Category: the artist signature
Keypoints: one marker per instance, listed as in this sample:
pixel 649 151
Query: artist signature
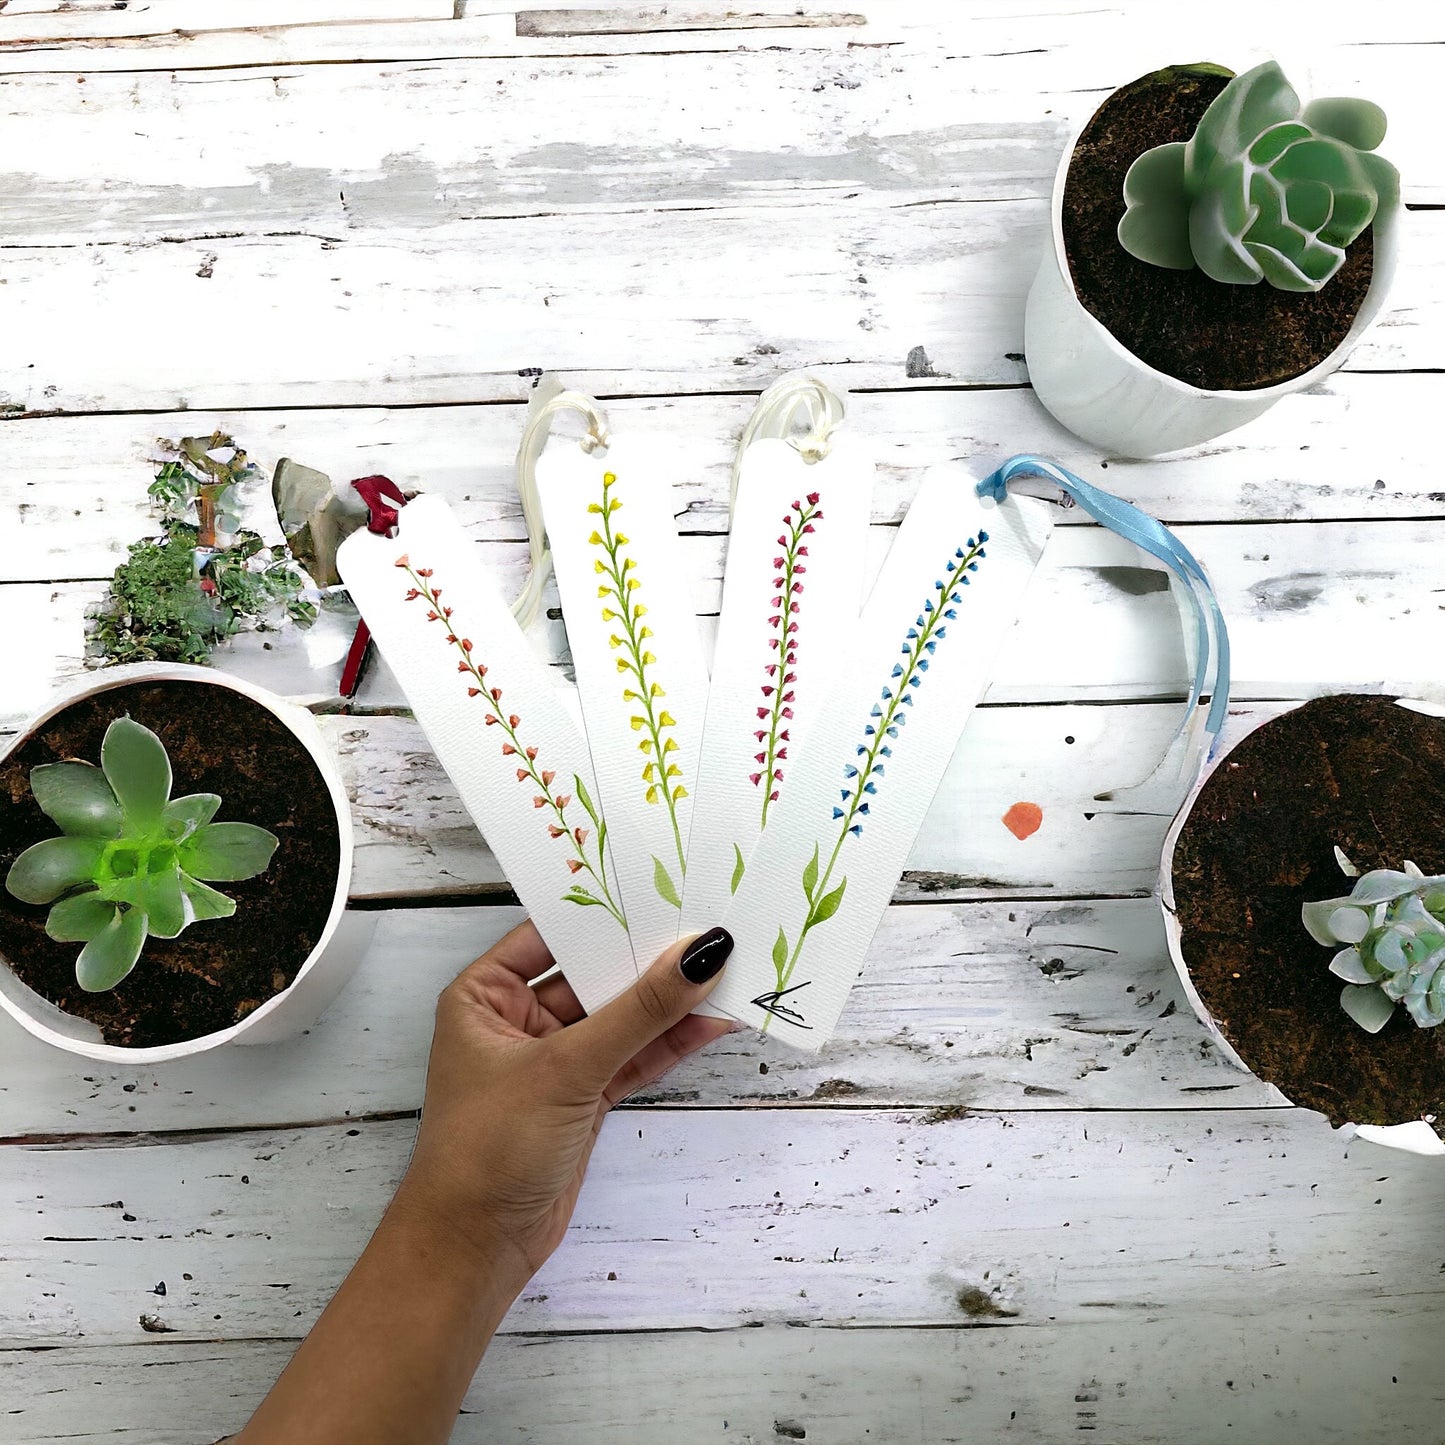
pixel 772 1003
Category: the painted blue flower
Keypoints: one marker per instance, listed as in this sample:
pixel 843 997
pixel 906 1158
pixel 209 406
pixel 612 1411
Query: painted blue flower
pixel 886 716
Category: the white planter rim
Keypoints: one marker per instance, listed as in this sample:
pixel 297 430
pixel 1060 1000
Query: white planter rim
pixel 30 1012
pixel 1413 1136
pixel 1385 233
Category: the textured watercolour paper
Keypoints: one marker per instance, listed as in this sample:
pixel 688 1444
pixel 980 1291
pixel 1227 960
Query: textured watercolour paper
pixel 639 664
pixel 496 719
pixel 817 884
pixel 791 596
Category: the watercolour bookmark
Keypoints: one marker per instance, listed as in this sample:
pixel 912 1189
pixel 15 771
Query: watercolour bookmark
pixel 791 597
pixel 496 719
pixel 643 685
pixel 921 657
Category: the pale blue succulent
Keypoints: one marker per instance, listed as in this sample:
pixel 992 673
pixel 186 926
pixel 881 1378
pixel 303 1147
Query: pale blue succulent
pixel 1392 928
pixel 131 860
pixel 1265 189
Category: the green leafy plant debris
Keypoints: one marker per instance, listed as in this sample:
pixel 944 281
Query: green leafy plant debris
pixel 131 862
pixel 204 578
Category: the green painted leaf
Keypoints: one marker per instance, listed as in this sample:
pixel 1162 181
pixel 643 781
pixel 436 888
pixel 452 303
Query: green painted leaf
pixel 112 953
pixel 79 918
pixel 829 903
pixel 77 797
pixel 780 955
pixel 204 903
pixel 138 771
pixel 662 881
pixel 182 816
pixel 227 852
pixel 583 897
pixel 738 867
pixel 53 866
pixel 585 798
pixel 810 873
pixel 160 900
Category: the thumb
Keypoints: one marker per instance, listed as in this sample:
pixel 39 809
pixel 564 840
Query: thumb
pixel 681 978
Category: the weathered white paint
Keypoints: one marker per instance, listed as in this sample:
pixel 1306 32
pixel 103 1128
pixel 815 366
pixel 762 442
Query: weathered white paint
pixel 1127 1381
pixel 708 1219
pixel 264 150
pixel 25 22
pixel 454 312
pixel 1064 1005
pixel 75 486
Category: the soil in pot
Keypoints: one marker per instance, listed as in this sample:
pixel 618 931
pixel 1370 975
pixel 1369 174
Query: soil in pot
pixel 1359 772
pixel 1206 333
pixel 218 971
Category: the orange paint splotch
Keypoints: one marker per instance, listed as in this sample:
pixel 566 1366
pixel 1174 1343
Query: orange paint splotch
pixel 1023 820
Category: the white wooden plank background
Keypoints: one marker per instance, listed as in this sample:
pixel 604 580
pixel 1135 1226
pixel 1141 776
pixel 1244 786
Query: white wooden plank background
pixel 209 220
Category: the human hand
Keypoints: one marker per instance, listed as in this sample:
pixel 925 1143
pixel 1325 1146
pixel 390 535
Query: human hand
pixel 520 1080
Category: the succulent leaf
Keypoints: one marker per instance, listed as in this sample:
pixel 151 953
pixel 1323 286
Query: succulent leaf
pixel 53 866
pixel 1155 227
pixel 79 918
pixel 1393 924
pixel 182 816
pixel 138 770
pixel 1350 966
pixel 112 953
pixel 161 902
pixel 76 797
pixel 227 852
pixel 1367 1006
pixel 1357 123
pixel 203 902
pixel 1263 190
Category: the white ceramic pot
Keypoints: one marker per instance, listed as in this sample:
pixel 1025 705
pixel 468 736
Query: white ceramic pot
pixel 1414 1137
pixel 1103 393
pixel 328 966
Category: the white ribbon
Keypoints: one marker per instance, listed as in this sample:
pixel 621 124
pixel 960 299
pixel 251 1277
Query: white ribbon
pixel 792 398
pixel 549 398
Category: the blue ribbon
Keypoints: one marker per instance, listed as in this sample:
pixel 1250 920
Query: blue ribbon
pixel 1155 538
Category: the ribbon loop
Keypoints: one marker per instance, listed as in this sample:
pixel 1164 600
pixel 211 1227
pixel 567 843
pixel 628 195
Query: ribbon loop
pixel 376 492
pixel 794 398
pixel 1211 636
pixel 549 398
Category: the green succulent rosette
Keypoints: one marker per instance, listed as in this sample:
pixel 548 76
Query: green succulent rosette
pixel 1265 189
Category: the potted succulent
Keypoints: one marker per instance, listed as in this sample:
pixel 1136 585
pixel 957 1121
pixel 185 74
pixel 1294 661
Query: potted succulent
pixel 1215 246
pixel 1332 992
pixel 175 850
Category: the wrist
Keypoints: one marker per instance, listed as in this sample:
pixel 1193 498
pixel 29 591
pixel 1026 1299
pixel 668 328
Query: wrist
pixel 485 1257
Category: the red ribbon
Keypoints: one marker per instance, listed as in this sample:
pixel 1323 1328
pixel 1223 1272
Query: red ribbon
pixel 382 519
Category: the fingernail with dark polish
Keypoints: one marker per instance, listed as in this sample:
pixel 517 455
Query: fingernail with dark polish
pixel 705 955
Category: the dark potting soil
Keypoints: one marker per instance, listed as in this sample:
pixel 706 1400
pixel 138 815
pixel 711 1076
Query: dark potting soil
pixel 216 971
pixel 1359 772
pixel 1206 333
